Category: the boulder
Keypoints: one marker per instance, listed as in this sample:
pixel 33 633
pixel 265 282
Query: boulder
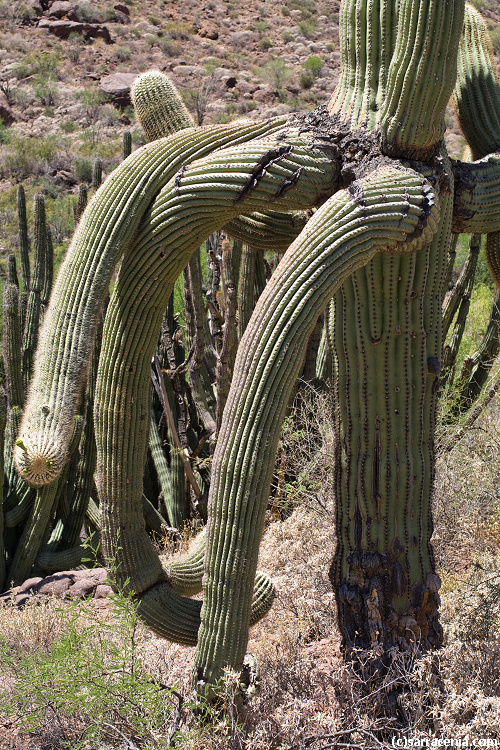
pixel 122 13
pixel 121 17
pixel 208 32
pixel 265 95
pixel 60 8
pixel 117 86
pixel 64 28
pixel 35 8
pixel 56 585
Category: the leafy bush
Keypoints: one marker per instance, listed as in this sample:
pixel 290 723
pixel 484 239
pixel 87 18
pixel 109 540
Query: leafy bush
pixel 68 126
pixel 314 64
pixel 265 43
pixel 86 13
pixel 306 79
pixel 87 685
pixel 32 156
pixel 179 30
pixel 308 27
pixel 82 169
pixel 277 72
pixel 4 133
pixel 45 90
pixel 45 64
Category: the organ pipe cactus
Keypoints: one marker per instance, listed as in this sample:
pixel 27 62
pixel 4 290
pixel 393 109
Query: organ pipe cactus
pixel 388 198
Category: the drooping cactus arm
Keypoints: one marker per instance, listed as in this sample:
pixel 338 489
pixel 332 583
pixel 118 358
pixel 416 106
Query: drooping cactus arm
pixel 104 233
pixel 476 205
pixel 381 213
pixel 477 92
pixel 211 191
pixel 268 231
pixel 477 103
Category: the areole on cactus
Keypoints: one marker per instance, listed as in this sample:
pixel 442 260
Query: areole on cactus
pixel 387 198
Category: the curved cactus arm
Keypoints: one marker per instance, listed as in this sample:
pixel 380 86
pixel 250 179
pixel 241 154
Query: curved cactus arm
pixel 342 236
pixel 271 230
pixel 182 622
pixel 412 117
pixel 67 559
pixel 477 92
pixel 212 190
pixel 185 573
pixel 104 233
pixel 476 206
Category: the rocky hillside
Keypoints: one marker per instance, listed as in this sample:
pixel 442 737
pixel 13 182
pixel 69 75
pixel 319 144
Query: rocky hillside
pixel 66 68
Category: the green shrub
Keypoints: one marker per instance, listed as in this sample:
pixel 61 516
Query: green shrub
pixel 179 30
pixel 121 53
pixel 285 11
pixel 82 169
pixel 91 99
pixel 276 72
pixel 306 79
pixel 287 36
pixel 68 126
pixel 308 28
pixel 313 65
pixel 170 47
pixel 45 90
pixel 32 156
pixel 86 13
pixel 4 133
pixel 265 43
pixel 88 675
pixel 306 7
pixel 259 26
pixel 45 64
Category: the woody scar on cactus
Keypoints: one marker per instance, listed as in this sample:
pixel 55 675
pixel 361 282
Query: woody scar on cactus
pixel 388 199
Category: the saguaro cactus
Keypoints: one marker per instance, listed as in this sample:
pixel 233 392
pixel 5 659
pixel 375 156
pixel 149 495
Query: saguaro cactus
pixel 388 199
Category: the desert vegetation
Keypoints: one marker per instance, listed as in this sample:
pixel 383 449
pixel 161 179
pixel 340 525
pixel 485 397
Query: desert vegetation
pixel 355 654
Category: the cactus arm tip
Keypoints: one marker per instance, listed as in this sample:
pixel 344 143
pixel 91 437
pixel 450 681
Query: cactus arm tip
pixel 38 461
